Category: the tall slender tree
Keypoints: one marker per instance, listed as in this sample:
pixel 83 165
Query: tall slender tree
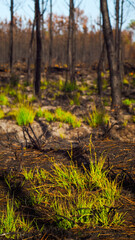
pixel 51 36
pixel 119 18
pixel 38 50
pixel 71 44
pixel 11 35
pixel 30 51
pixel 117 33
pixel 114 73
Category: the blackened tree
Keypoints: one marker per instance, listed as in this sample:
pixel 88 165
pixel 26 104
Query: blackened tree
pixel 11 35
pixel 71 44
pixel 114 73
pixel 38 50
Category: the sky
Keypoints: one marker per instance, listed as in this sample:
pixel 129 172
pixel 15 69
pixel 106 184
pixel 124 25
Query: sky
pixel 60 7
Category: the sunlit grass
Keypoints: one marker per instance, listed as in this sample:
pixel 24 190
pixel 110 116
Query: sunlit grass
pixel 10 222
pixel 69 87
pixel 97 117
pixel 133 118
pixel 23 114
pixel 3 99
pixel 128 102
pixel 76 99
pixel 1 114
pixel 77 197
pixel 125 81
pixel 67 117
pixel 59 115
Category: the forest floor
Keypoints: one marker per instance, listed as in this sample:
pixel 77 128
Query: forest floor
pixel 116 140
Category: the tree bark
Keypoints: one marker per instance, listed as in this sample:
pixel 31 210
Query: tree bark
pixel 71 45
pixel 30 52
pixel 121 67
pixel 51 36
pixel 100 64
pixel 38 51
pixel 118 43
pixel 114 73
pixel 72 42
pixel 117 33
pixel 11 36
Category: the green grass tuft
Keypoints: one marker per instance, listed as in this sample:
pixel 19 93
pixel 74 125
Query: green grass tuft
pixel 59 115
pixel 77 198
pixel 1 114
pixel 69 87
pixel 24 115
pixel 128 102
pixel 48 116
pixel 97 118
pixel 12 223
pixel 67 117
pixel 3 99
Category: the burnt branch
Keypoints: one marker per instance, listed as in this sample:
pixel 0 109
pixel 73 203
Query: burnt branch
pixel 36 142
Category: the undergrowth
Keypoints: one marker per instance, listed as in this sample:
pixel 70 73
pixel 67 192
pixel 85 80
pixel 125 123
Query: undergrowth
pixel 59 115
pixel 74 197
pixel 97 117
pixel 3 99
pixel 23 114
pixel 11 223
pixel 128 102
pixel 1 114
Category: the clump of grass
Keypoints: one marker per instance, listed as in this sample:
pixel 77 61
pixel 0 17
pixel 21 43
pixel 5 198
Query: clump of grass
pixel 97 118
pixel 78 198
pixel 3 99
pixel 44 84
pixel 128 102
pixel 105 83
pixel 24 115
pixel 76 99
pixel 69 87
pixel 133 119
pixel 20 97
pixel 61 84
pixel 125 123
pixel 125 81
pixel 28 174
pixel 1 114
pixel 59 115
pixel 48 116
pixel 67 117
pixel 32 99
pixel 12 92
pixel 106 103
pixel 14 80
pixel 39 113
pixel 10 222
pixel 83 87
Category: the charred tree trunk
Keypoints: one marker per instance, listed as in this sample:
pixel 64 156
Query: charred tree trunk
pixel 100 65
pixel 43 36
pixel 114 73
pixel 67 53
pixel 51 37
pixel 11 36
pixel 71 45
pixel 117 33
pixel 118 42
pixel 38 50
pixel 121 67
pixel 30 53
